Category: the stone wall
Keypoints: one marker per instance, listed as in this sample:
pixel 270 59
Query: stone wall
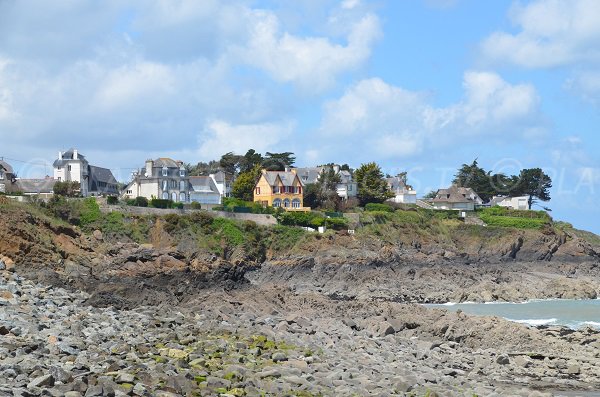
pixel 260 219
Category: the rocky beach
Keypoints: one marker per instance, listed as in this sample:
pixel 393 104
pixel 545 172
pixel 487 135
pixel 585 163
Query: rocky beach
pixel 91 315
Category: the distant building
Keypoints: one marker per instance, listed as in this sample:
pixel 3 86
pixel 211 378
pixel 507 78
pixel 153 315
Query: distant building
pixel 456 198
pixel 280 189
pixel 224 182
pixel 403 193
pixel 204 190
pixel 515 203
pixel 163 178
pixel 346 188
pixel 7 177
pixel 95 181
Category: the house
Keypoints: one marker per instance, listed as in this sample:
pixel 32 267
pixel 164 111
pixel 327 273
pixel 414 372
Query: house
pixel 95 181
pixel 280 189
pixel 403 193
pixel 456 198
pixel 224 182
pixel 162 178
pixel 346 188
pixel 7 177
pixel 515 203
pixel 43 187
pixel 204 190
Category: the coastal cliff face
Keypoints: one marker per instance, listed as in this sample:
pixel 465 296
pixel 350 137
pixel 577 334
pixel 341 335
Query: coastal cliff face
pixel 466 263
pixel 330 314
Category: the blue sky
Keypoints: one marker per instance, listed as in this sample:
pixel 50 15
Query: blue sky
pixel 421 86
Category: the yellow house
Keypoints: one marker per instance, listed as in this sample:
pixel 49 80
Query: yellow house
pixel 280 189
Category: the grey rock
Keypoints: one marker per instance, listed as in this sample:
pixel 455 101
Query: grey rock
pixel 41 381
pixel 278 357
pixel 503 359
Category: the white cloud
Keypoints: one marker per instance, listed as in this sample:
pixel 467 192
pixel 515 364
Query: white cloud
pixel 551 33
pixel 311 62
pixel 388 121
pixel 221 137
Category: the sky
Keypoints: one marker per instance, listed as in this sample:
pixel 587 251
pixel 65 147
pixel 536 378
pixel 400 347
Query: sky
pixel 421 86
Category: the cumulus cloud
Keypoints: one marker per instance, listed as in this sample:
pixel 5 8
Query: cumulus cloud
pixel 550 33
pixel 388 121
pixel 310 62
pixel 220 137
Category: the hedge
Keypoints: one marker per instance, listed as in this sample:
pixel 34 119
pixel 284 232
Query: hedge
pixel 515 222
pixel 378 207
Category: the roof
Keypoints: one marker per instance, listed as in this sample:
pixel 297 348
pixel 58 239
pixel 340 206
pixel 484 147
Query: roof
pixel 45 185
pixel 7 168
pixel 102 174
pixel 455 194
pixel 345 176
pixel 309 174
pixel 167 162
pixel 203 184
pixel 396 183
pixel 287 177
pixel 68 155
pixel 221 176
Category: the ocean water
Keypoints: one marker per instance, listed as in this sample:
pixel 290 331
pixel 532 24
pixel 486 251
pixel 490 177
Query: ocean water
pixel 571 313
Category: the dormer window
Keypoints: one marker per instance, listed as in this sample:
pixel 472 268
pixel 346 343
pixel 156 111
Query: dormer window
pixel 165 171
pixel 182 172
pixel 1 175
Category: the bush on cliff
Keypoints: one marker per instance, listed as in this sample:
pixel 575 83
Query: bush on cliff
pixel 378 207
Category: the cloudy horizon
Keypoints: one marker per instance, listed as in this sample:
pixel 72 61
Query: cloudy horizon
pixel 421 86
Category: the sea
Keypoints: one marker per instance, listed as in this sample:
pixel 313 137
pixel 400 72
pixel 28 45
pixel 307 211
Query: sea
pixel 566 312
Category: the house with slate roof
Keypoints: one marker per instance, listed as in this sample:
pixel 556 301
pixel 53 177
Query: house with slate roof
pixel 95 181
pixel 7 177
pixel 204 190
pixel 456 198
pixel 346 188
pixel 280 189
pixel 163 178
pixel 403 192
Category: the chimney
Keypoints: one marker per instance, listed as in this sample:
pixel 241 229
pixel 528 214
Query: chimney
pixel 75 154
pixel 60 155
pixel 149 165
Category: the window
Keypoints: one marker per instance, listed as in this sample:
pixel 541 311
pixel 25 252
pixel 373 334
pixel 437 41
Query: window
pixel 165 196
pixel 165 186
pixel 350 187
pixel 69 167
pixel 182 197
pixel 182 185
pixel 1 175
pixel 129 191
pixel 165 171
pixel 181 172
pixel 277 203
pixel 258 190
pixel 286 203
pixel 275 189
pixel 296 203
pixel 59 178
pixel 174 197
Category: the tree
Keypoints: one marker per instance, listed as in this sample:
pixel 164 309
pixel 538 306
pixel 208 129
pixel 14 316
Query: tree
pixel 243 187
pixel 67 188
pixel 327 196
pixel 431 194
pixel 533 182
pixel 311 195
pixel 203 168
pixel 476 178
pixel 278 161
pixel 230 162
pixel 372 187
pixel 250 160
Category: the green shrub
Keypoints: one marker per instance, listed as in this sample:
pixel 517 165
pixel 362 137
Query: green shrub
pixel 195 205
pixel 140 202
pixel 112 200
pixel 201 218
pixel 90 211
pixel 177 205
pixel 378 207
pixel 229 230
pixel 514 222
pixel 336 223
pixel 161 203
pixel 300 218
pixel 503 211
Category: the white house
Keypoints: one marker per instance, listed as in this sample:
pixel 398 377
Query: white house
pixel 346 188
pixel 94 181
pixel 456 198
pixel 223 182
pixel 403 193
pixel 515 203
pixel 204 190
pixel 163 178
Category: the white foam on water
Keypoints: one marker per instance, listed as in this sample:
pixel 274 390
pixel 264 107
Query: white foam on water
pixel 535 321
pixel 594 324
